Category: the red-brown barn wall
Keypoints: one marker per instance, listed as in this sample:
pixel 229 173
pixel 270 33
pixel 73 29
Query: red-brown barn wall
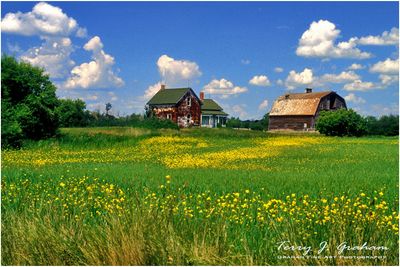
pixel 183 110
pixel 290 122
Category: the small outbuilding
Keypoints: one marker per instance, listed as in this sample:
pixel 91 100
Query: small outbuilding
pixel 299 111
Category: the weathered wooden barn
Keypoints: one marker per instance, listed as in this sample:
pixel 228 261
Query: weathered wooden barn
pixel 181 105
pixel 212 114
pixel 299 111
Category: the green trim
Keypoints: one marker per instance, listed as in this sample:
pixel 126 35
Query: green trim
pixel 213 112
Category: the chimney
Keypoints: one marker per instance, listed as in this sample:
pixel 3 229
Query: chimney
pixel 308 90
pixel 201 96
pixel 162 87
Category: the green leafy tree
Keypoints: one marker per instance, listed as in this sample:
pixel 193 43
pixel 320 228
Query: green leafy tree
pixel 28 102
pixel 72 113
pixel 341 122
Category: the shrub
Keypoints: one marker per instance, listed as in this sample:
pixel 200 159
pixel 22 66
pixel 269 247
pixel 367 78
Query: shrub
pixel 341 122
pixel 28 103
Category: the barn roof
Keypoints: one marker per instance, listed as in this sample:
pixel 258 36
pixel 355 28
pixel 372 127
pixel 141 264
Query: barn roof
pixel 297 104
pixel 210 107
pixel 168 96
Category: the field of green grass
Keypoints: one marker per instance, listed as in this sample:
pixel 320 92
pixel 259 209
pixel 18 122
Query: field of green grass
pixel 125 196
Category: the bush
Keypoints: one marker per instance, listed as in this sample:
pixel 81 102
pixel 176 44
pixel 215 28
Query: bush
pixel 341 122
pixel 28 103
pixel 72 113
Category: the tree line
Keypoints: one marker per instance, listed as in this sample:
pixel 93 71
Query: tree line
pixel 31 110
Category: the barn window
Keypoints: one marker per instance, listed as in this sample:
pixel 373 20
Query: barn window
pixel 188 118
pixel 305 125
pixel 189 101
pixel 169 116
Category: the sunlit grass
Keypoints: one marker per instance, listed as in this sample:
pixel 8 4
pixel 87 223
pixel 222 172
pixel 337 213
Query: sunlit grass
pixel 123 196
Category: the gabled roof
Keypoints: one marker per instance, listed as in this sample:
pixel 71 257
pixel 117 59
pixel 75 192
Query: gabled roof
pixel 169 96
pixel 210 107
pixel 298 104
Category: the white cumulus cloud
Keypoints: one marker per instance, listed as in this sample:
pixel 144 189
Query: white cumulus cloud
pixel 43 20
pixel 355 66
pixel 97 73
pixel 278 69
pixel 320 41
pixel 389 66
pixel 355 99
pixel 343 77
pixel 359 85
pixel 223 88
pixel 263 105
pixel 387 38
pixel 260 80
pixel 295 79
pixel 175 71
pixel 53 55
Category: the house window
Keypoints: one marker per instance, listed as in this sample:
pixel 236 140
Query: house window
pixel 189 101
pixel 205 120
pixel 305 125
pixel 169 116
pixel 188 118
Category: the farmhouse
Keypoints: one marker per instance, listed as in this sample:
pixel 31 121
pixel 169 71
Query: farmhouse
pixel 182 106
pixel 299 111
pixel 212 114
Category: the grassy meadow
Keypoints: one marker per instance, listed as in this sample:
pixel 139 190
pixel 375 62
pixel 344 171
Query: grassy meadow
pixel 126 196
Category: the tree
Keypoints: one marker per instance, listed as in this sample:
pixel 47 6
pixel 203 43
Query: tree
pixel 341 122
pixel 72 113
pixel 28 102
pixel 108 107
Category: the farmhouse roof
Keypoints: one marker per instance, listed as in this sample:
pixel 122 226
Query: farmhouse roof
pixel 169 96
pixel 210 107
pixel 298 104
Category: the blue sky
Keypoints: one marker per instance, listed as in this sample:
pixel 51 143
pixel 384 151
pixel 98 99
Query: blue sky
pixel 242 54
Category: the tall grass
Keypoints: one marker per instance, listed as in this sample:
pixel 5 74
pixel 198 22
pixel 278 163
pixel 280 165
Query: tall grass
pixel 99 225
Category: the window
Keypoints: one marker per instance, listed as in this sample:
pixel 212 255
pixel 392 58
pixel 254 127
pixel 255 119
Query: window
pixel 189 101
pixel 305 125
pixel 188 118
pixel 169 116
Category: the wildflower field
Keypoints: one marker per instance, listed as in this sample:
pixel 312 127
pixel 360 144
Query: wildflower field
pixel 124 196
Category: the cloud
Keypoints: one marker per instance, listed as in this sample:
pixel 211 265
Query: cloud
pixel 387 38
pixel 260 80
pixel 245 61
pixel 151 91
pixel 320 41
pixel 359 85
pixel 53 55
pixel 43 20
pixel 355 99
pixel 388 66
pixel 343 77
pixel 97 73
pixel 387 80
pixel 295 79
pixel 380 109
pixel 223 88
pixel 263 105
pixel 239 111
pixel 176 71
pixel 278 69
pixel 355 66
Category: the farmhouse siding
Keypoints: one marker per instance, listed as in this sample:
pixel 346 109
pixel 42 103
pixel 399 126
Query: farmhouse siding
pixel 291 122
